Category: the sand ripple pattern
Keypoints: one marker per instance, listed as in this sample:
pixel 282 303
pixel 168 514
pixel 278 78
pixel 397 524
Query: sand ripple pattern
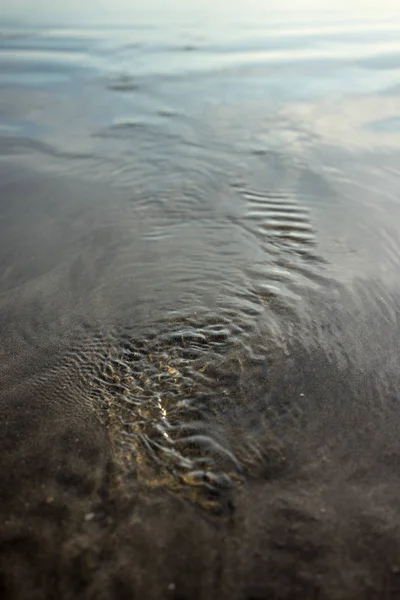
pixel 164 407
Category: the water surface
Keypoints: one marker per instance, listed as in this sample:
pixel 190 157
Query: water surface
pixel 199 230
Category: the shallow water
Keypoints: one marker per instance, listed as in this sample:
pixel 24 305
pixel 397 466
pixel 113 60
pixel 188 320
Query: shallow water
pixel 194 192
pixel 199 300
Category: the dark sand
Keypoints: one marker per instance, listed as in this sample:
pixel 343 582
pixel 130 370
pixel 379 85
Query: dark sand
pixel 317 517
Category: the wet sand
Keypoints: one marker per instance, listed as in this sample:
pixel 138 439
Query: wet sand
pixel 199 307
pixel 314 515
pixel 311 416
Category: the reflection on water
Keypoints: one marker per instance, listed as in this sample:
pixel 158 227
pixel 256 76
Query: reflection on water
pixel 190 208
pixel 228 169
pixel 237 159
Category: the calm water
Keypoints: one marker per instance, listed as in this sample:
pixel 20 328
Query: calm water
pixel 186 198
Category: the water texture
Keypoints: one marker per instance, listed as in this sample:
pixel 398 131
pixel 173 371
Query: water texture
pixel 199 241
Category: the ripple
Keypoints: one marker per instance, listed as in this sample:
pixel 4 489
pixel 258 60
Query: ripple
pixel 123 83
pixel 158 400
pixel 279 216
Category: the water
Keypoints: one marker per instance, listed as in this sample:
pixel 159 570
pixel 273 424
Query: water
pixel 199 219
